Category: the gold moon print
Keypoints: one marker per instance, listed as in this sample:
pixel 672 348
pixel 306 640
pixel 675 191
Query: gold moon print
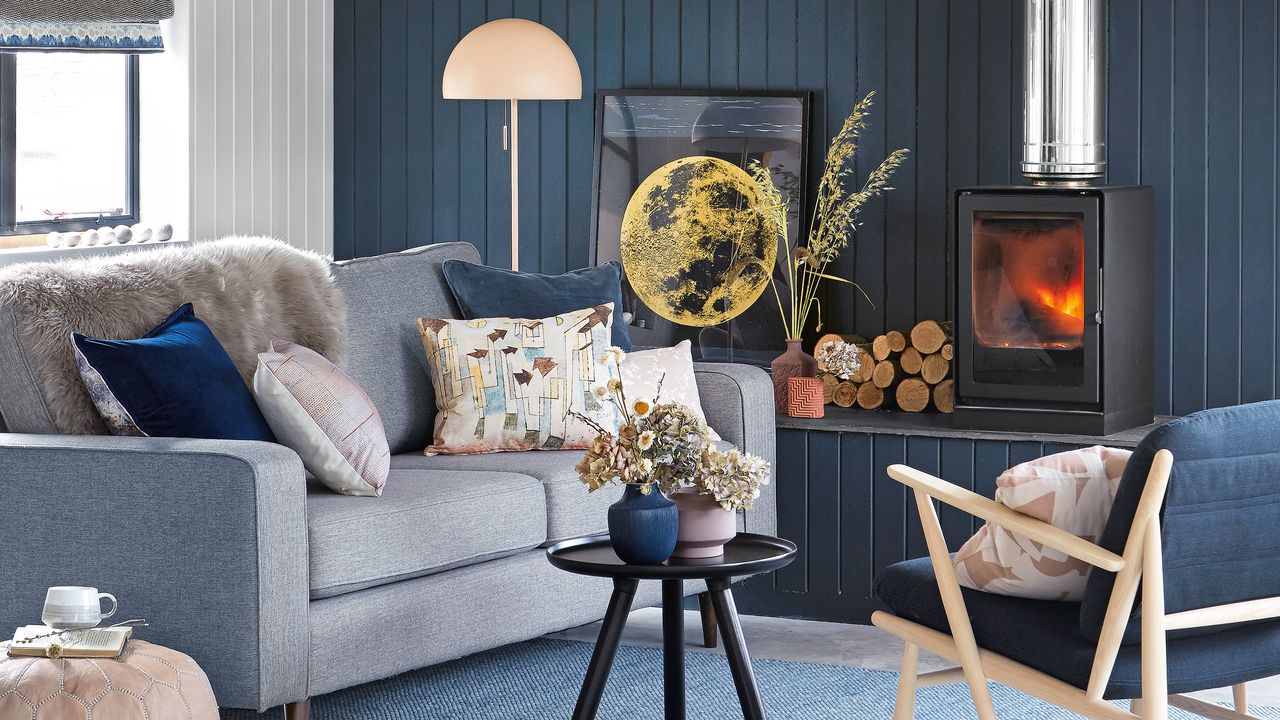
pixel 694 248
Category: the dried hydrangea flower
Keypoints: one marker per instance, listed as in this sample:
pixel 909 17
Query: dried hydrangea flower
pixel 732 478
pixel 840 358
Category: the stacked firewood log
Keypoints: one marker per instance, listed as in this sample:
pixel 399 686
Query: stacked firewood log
pixel 911 371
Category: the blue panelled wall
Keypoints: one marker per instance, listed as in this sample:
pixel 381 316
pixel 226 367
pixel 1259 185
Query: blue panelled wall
pixel 1192 111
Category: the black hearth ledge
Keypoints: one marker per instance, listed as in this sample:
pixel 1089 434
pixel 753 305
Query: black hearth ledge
pixel 940 425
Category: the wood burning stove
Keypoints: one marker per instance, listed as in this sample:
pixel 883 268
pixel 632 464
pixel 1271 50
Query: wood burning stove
pixel 1054 282
pixel 1054 308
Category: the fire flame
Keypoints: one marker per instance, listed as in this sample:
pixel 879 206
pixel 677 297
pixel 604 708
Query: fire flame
pixel 1068 301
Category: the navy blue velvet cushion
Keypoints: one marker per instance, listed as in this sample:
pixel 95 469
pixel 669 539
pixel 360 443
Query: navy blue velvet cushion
pixel 175 381
pixel 1221 512
pixel 485 292
pixel 1045 635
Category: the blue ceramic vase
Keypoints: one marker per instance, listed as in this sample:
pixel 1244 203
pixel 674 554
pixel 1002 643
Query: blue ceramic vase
pixel 643 528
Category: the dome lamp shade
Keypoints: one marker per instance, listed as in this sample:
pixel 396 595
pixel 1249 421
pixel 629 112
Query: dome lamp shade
pixel 512 59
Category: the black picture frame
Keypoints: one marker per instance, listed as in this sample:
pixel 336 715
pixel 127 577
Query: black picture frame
pixel 756 336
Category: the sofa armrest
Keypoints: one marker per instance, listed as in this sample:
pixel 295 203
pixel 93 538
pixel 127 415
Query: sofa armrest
pixel 738 402
pixel 206 539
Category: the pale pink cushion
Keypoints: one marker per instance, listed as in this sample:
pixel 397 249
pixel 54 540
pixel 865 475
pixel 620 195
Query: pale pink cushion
pixel 146 682
pixel 323 415
pixel 1072 491
pixel 642 370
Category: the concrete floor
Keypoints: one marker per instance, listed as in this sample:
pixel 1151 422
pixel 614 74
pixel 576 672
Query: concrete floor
pixel 861 646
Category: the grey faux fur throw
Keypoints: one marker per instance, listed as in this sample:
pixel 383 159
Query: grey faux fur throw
pixel 248 290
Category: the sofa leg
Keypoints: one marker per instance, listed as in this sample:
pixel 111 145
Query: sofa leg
pixel 300 710
pixel 708 620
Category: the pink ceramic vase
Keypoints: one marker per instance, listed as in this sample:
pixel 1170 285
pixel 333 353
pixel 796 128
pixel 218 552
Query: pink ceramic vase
pixel 795 362
pixel 704 526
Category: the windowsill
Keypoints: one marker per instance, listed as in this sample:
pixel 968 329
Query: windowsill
pixel 42 252
pixel 25 242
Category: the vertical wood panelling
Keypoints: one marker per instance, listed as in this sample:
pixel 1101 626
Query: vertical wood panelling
pixel 822 490
pixel 899 119
pixel 262 82
pixel 474 143
pixel 957 466
pixel 929 157
pixel 856 523
pixel 1222 217
pixel 446 172
pixel 889 503
pixel 1191 111
pixel 793 484
pixel 1190 247
pixel 1258 204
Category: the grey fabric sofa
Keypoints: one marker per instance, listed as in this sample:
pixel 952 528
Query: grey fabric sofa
pixel 283 590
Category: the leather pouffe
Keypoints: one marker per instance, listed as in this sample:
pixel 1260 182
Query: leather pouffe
pixel 146 682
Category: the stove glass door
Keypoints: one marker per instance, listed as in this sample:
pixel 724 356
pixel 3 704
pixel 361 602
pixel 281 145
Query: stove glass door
pixel 1029 288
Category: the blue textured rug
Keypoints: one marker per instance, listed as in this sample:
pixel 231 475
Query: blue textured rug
pixel 539 680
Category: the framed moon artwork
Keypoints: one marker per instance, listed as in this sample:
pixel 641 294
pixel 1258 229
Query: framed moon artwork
pixel 675 202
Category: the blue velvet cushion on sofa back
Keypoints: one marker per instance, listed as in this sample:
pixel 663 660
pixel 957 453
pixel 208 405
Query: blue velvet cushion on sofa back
pixel 1221 512
pixel 484 292
pixel 175 381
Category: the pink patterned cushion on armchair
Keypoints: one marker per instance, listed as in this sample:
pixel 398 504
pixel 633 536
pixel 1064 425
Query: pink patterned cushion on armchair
pixel 1072 491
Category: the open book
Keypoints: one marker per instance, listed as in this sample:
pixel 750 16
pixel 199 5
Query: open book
pixel 38 640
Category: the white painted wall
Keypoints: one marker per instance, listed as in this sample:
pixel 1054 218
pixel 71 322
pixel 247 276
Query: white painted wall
pixel 256 105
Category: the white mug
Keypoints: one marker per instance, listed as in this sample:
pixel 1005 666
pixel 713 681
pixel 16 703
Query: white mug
pixel 69 607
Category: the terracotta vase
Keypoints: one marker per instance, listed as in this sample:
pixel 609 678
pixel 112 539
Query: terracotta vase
pixel 795 362
pixel 804 397
pixel 704 526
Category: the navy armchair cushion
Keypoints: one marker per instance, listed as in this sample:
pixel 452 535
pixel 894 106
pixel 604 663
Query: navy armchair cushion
pixel 175 381
pixel 485 292
pixel 1045 635
pixel 1221 511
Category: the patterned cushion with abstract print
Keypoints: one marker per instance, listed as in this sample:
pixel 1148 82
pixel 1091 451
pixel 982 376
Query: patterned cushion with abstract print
pixel 509 384
pixel 1072 491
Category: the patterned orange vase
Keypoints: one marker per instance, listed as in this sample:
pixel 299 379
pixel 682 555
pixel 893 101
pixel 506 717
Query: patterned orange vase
pixel 804 397
pixel 795 362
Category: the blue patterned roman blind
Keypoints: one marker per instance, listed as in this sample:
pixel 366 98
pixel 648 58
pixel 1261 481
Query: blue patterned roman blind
pixel 122 26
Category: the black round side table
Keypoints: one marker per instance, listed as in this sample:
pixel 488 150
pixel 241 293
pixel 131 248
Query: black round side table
pixel 747 554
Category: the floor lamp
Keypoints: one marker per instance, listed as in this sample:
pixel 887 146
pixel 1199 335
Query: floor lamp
pixel 512 60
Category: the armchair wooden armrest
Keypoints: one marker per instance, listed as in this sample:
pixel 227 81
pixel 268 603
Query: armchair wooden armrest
pixel 994 512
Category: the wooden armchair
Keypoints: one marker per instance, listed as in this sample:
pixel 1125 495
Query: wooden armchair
pixel 1209 582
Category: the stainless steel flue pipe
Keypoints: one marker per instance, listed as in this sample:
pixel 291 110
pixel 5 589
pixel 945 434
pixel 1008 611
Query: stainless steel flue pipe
pixel 1065 98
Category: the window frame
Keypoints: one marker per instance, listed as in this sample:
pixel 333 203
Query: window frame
pixel 9 159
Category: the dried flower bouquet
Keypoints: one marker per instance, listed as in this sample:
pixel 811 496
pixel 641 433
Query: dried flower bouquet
pixel 667 446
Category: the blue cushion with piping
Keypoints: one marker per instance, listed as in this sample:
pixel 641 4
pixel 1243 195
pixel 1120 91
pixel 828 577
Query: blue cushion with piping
pixel 1219 518
pixel 175 381
pixel 485 292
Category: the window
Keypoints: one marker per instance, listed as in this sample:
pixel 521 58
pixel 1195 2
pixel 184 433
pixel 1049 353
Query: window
pixel 68 141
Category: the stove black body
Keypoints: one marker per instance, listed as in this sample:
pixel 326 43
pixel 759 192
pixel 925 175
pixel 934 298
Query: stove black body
pixel 1054 299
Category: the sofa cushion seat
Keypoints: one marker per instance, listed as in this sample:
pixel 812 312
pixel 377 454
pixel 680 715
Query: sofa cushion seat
pixel 426 521
pixel 570 510
pixel 1045 635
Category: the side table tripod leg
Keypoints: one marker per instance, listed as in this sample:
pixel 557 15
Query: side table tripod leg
pixel 615 619
pixel 673 648
pixel 735 647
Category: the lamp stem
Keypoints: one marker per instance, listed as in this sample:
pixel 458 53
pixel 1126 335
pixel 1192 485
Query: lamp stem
pixel 515 186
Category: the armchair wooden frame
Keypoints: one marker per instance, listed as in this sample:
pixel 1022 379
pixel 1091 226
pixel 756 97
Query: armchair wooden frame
pixel 1140 561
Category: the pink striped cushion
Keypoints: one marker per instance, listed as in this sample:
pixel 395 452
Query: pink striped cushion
pixel 325 417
